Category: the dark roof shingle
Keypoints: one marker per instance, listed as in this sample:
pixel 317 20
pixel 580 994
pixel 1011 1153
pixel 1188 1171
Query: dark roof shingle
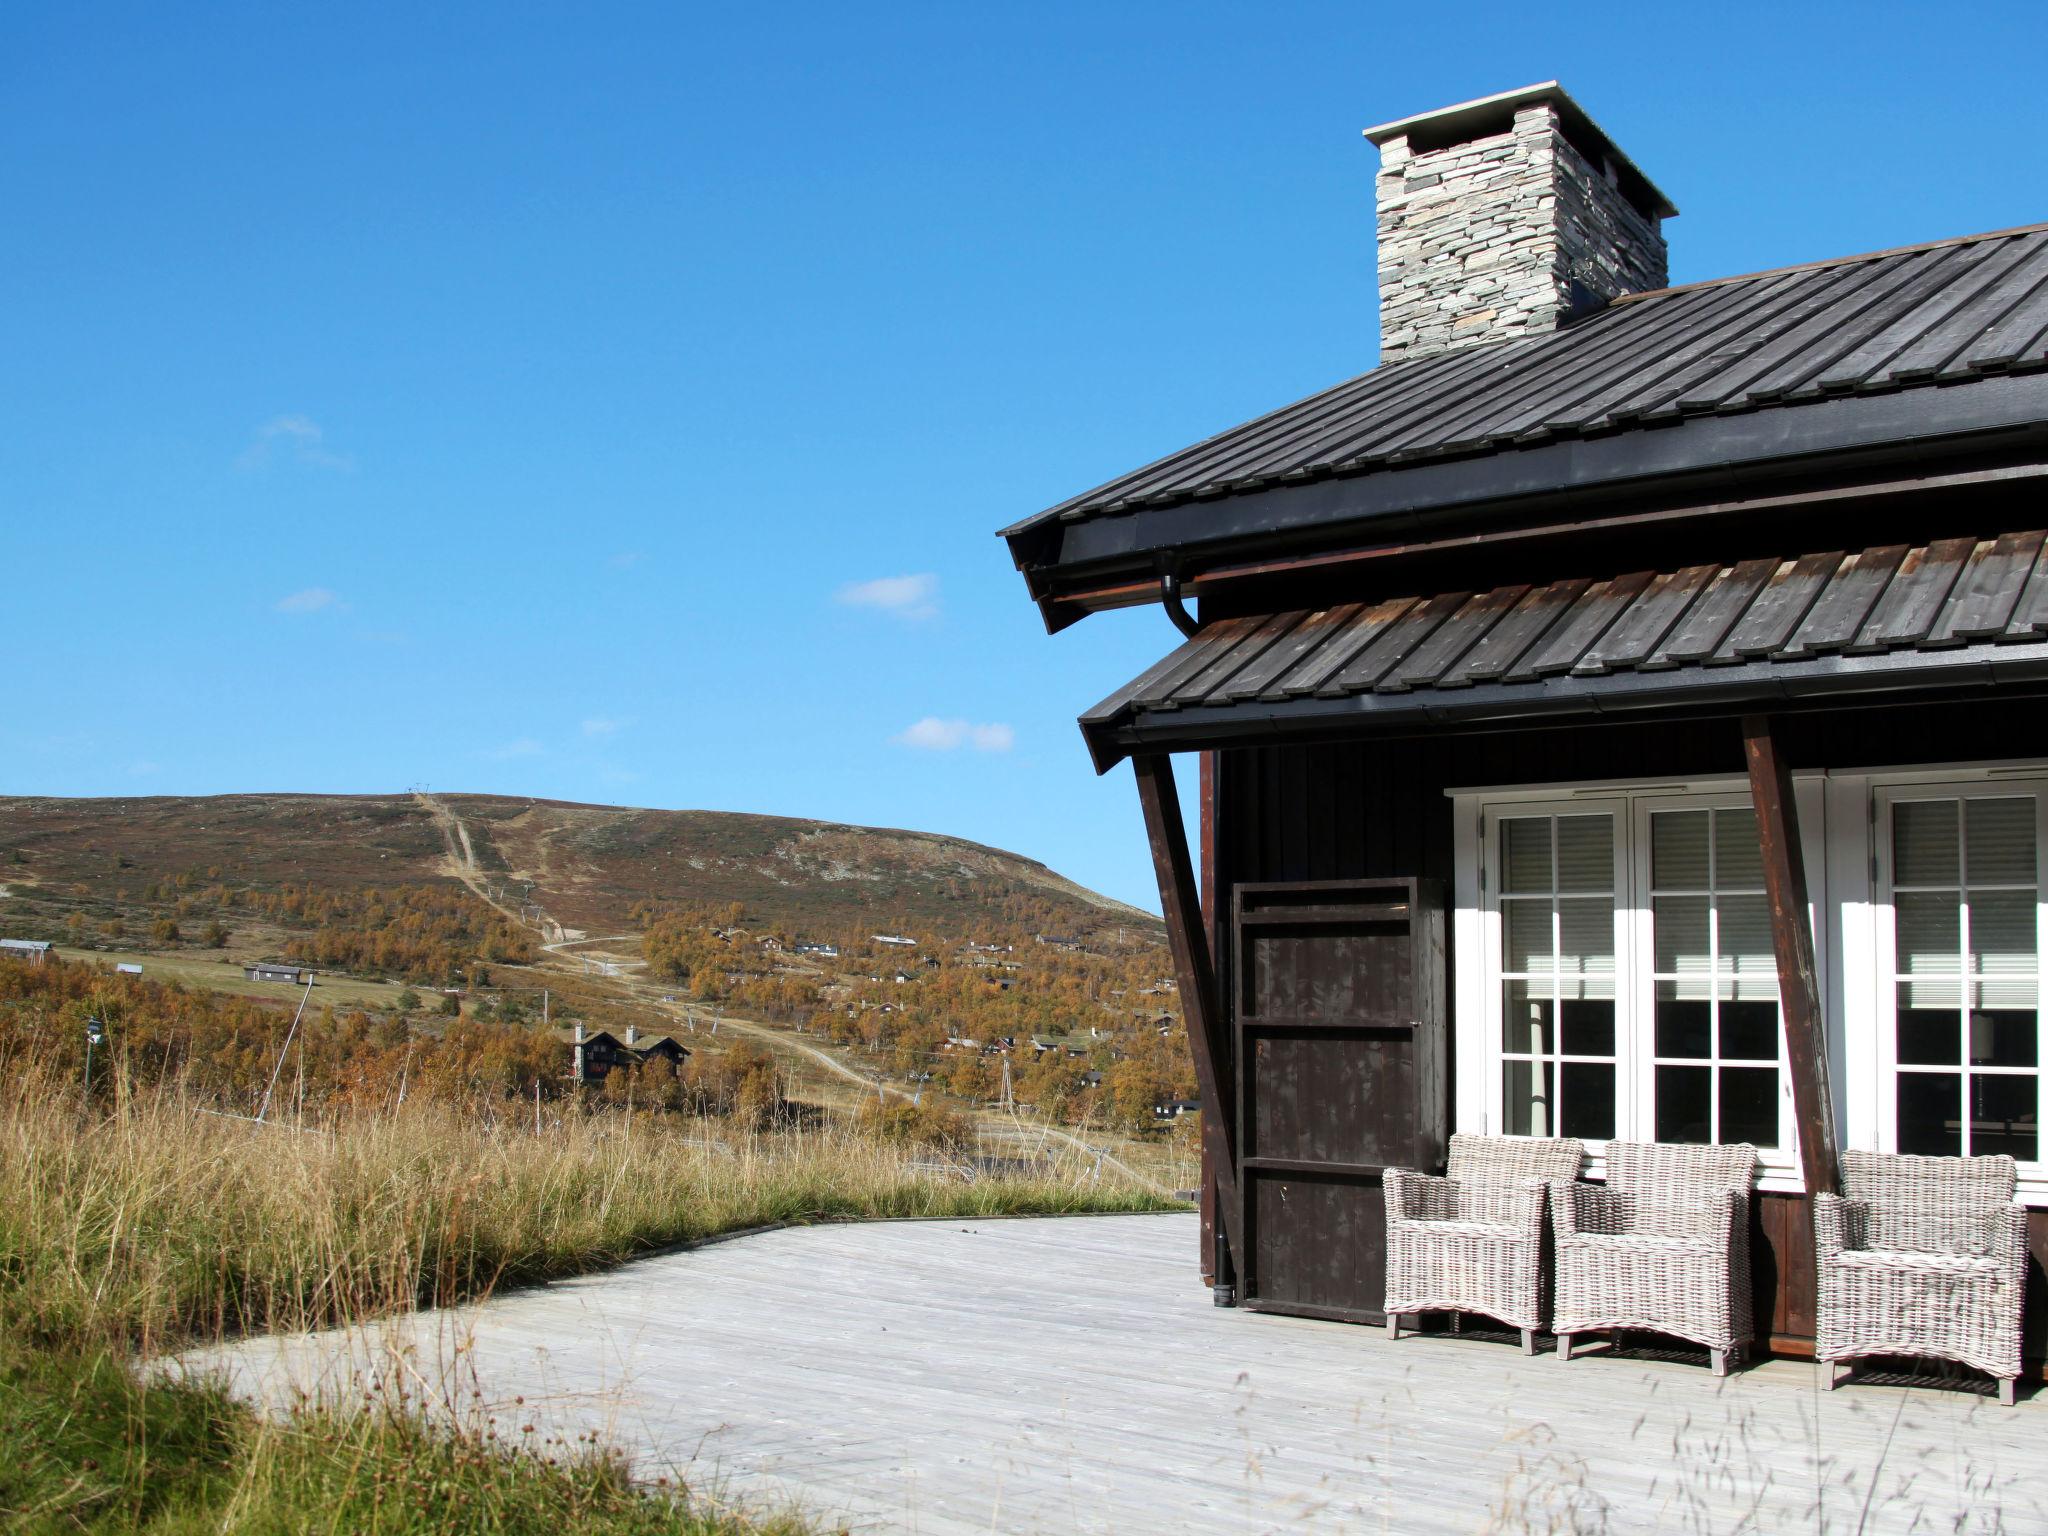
pixel 1831 619
pixel 1929 315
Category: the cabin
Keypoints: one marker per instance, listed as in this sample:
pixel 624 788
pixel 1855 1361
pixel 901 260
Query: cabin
pixel 1618 714
pixel 266 970
pixel 27 951
pixel 594 1054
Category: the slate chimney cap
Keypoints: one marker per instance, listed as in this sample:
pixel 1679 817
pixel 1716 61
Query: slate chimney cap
pixel 1496 114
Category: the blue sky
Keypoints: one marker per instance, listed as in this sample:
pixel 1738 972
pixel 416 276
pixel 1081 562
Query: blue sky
pixel 617 404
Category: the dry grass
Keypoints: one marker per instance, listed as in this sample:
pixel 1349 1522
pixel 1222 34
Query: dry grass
pixel 141 1223
pixel 149 1223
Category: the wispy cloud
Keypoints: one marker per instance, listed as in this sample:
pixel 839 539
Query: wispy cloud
pixel 524 746
pixel 311 600
pixel 907 597
pixel 296 439
pixel 931 734
pixel 601 726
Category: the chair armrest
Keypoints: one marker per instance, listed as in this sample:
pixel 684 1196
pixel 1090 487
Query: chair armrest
pixel 1837 1224
pixel 1409 1193
pixel 1580 1210
pixel 1595 1210
pixel 2009 1232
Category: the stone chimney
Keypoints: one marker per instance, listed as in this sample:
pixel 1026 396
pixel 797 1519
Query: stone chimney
pixel 1505 217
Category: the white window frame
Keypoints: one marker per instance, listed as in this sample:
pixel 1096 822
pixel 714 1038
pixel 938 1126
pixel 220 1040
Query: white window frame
pixel 1495 938
pixel 1881 1004
pixel 1784 1157
pixel 1478 938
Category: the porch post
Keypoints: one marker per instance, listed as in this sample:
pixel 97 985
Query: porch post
pixel 1806 1047
pixel 1196 976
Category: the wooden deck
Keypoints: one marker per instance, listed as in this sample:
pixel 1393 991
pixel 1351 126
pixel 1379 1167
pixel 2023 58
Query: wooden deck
pixel 1071 1375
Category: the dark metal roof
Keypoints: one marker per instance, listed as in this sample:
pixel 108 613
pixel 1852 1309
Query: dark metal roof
pixel 1936 315
pixel 1952 612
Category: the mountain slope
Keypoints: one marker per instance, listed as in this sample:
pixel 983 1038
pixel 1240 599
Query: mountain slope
pixel 589 865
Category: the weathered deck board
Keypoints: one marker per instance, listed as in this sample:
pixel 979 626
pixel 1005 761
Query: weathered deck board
pixel 1026 1376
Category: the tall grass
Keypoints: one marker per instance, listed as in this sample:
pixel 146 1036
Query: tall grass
pixel 140 1223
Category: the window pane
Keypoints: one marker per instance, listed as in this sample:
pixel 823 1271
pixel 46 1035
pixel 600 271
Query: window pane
pixel 1930 932
pixel 1585 853
pixel 1678 850
pixel 1930 1113
pixel 1924 843
pixel 1530 944
pixel 1527 1019
pixel 1588 1108
pixel 1684 1024
pixel 1749 1031
pixel 1586 945
pixel 1681 923
pixel 1931 992
pixel 1588 1027
pixel 1749 1105
pixel 1525 853
pixel 1746 948
pixel 2001 840
pixel 1930 1037
pixel 1526 1088
pixel 1684 1104
pixel 2002 944
pixel 1738 856
pixel 2006 1037
pixel 2005 1116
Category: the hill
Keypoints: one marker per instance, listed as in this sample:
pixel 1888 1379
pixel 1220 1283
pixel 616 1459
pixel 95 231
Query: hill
pixel 588 866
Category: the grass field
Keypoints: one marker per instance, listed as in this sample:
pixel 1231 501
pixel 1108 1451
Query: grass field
pixel 221 970
pixel 138 1225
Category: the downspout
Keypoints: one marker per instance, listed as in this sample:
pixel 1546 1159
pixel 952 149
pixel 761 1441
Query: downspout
pixel 1171 600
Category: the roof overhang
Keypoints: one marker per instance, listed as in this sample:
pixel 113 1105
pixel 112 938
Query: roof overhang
pixel 1957 615
pixel 1076 566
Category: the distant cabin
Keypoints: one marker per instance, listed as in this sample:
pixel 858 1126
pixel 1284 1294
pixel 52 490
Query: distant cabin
pixel 290 974
pixel 595 1053
pixel 894 938
pixel 28 951
pixel 1173 1109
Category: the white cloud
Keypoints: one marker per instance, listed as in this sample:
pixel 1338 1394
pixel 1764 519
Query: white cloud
pixel 298 438
pixel 524 746
pixel 907 597
pixel 599 725
pixel 931 734
pixel 311 600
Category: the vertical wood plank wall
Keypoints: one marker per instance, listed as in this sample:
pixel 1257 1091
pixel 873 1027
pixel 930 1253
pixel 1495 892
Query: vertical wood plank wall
pixel 1378 809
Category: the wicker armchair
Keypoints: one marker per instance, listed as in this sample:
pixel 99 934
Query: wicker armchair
pixel 1662 1246
pixel 1922 1256
pixel 1473 1240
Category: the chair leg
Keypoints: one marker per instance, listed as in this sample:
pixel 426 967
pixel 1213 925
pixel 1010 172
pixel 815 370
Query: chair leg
pixel 1564 1346
pixel 1721 1361
pixel 1393 1325
pixel 1528 1341
pixel 1829 1379
pixel 2008 1390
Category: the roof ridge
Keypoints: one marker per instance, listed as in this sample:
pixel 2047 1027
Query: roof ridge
pixel 1833 261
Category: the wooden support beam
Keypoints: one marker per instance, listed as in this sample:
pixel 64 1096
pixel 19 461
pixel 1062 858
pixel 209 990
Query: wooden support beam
pixel 1806 1045
pixel 1188 939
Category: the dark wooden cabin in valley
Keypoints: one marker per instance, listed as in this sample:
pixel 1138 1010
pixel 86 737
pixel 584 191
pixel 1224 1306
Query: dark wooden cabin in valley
pixel 1622 713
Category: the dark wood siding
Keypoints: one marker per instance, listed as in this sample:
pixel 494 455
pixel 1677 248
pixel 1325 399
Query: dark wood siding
pixel 1378 810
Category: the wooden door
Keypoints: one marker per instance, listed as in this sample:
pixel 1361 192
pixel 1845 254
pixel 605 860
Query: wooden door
pixel 1340 1040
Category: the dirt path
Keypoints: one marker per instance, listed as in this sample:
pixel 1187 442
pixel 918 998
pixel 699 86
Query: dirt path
pixel 462 864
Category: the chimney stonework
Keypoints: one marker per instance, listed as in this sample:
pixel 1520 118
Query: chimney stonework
pixel 1507 217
